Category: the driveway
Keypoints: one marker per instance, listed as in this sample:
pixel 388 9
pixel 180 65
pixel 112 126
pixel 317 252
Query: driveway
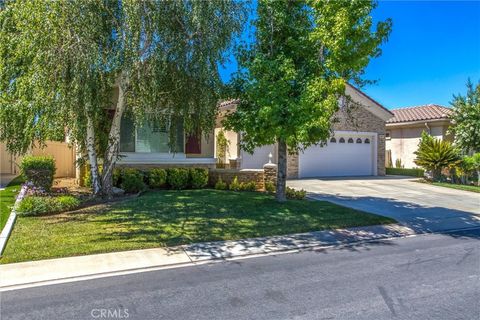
pixel 422 207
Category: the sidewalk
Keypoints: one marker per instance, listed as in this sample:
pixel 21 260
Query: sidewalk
pixel 17 275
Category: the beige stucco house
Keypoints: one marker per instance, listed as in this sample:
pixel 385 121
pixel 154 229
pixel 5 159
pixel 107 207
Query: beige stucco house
pixel 356 147
pixel 404 130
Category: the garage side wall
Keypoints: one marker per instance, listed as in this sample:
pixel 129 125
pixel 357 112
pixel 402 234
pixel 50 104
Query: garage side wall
pixel 356 119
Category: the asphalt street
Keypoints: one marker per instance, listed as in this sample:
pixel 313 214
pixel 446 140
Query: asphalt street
pixel 434 276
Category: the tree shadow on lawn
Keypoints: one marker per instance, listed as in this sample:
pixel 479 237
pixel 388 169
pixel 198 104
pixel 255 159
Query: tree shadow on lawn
pixel 173 219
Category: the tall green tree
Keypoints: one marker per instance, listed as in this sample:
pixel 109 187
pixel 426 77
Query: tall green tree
pixel 61 61
pixel 466 119
pixel 292 77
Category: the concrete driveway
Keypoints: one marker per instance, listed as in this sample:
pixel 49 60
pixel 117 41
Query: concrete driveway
pixel 422 207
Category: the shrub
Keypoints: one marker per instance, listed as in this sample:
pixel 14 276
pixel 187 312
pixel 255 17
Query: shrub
pixel 414 172
pixel 398 163
pixel 235 185
pixel 132 181
pixel 117 177
pixel 33 205
pixel 39 170
pixel 177 178
pixel 269 187
pixel 157 178
pixel 295 194
pixel 220 185
pixel 65 203
pixel 87 179
pixel 248 186
pixel 435 154
pixel 198 177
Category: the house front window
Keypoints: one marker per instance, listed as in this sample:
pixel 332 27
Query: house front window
pixel 149 137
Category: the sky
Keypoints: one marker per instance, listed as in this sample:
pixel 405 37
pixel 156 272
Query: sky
pixel 433 49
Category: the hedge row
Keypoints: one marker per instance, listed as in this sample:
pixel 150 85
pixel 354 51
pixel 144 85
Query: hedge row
pixel 415 172
pixel 135 180
pixel 35 205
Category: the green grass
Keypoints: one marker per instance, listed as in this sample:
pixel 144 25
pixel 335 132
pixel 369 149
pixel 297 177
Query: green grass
pixel 412 172
pixel 169 218
pixel 7 199
pixel 457 186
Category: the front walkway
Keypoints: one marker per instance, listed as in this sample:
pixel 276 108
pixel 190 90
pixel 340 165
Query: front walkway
pixel 419 206
pixel 25 274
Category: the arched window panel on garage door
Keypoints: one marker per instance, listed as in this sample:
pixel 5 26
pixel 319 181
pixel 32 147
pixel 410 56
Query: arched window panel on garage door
pixel 350 140
pixel 359 140
pixel 333 140
pixel 342 140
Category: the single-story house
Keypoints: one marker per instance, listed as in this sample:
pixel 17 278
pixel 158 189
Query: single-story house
pixel 404 130
pixel 356 147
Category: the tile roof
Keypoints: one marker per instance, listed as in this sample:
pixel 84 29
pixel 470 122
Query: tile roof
pixel 420 113
pixel 228 104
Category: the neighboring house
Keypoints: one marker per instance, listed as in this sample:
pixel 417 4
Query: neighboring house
pixel 405 129
pixel 356 148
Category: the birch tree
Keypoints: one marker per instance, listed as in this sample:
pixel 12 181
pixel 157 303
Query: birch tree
pixel 60 61
pixel 292 76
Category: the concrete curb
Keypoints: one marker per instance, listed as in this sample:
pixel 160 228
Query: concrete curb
pixel 191 262
pixel 7 230
pixel 60 270
pixel 187 261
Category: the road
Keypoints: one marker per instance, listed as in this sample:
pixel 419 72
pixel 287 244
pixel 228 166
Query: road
pixel 434 276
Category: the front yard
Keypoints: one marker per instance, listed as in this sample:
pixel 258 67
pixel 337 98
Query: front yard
pixel 169 218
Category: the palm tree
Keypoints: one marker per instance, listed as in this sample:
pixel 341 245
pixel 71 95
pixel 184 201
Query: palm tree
pixel 434 154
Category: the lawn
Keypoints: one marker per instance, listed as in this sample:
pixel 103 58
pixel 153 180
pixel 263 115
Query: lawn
pixel 457 186
pixel 169 218
pixel 7 199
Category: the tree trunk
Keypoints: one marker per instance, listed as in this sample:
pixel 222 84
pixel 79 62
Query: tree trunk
pixel 113 142
pixel 281 171
pixel 92 157
pixel 478 178
pixel 436 174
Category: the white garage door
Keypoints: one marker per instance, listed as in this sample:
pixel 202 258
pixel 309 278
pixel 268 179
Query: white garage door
pixel 344 155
